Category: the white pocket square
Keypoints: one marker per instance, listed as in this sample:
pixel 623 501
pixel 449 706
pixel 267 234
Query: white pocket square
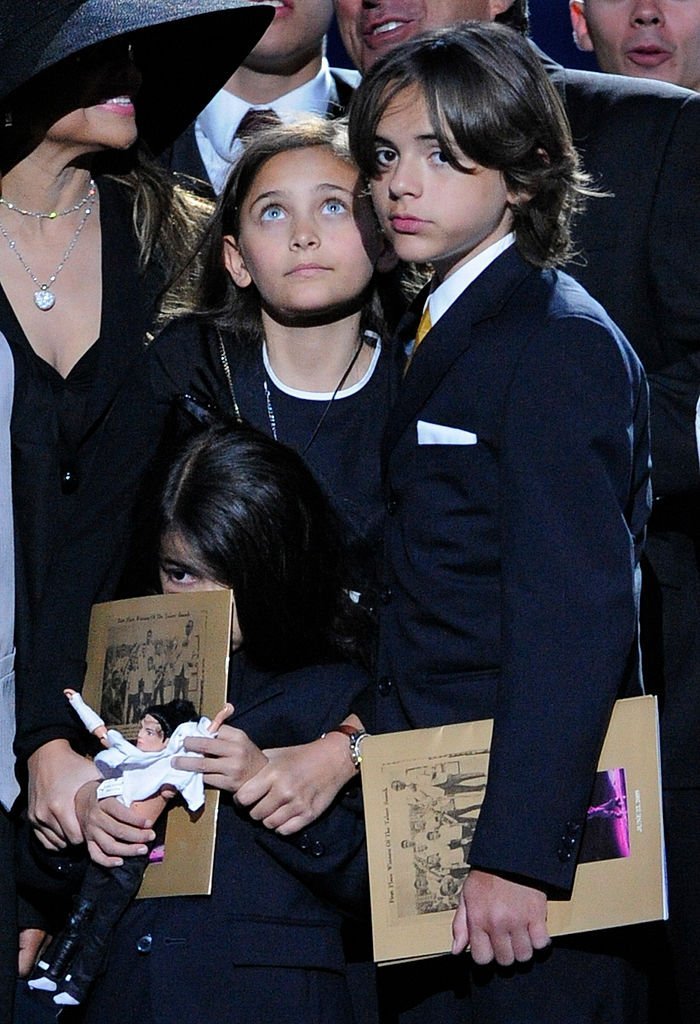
pixel 436 433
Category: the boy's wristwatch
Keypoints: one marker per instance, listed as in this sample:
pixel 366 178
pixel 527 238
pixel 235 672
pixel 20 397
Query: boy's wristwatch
pixel 355 738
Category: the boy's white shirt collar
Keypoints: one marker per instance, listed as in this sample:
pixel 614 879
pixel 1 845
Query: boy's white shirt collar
pixel 216 126
pixel 450 290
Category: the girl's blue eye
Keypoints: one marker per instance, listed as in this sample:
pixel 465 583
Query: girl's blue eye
pixel 272 213
pixel 334 206
pixel 439 156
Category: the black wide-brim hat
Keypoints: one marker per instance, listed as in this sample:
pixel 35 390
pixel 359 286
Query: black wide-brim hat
pixel 185 49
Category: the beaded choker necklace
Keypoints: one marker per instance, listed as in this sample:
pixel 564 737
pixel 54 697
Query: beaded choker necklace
pixel 52 214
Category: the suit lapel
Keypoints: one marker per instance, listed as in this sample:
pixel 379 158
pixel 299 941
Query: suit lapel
pixel 344 84
pixel 450 338
pixel 556 72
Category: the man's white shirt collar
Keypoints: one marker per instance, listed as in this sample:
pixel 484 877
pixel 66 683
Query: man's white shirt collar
pixel 215 128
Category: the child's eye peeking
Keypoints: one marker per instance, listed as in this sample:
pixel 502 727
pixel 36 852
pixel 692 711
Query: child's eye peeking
pixel 272 212
pixel 439 157
pixel 178 576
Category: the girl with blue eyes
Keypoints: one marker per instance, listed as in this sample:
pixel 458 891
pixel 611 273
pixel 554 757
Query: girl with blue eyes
pixel 289 316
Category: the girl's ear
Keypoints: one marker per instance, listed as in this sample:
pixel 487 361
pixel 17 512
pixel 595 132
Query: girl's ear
pixel 234 263
pixel 387 259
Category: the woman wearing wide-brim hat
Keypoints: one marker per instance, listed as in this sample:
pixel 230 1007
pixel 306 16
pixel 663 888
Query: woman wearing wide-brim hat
pixel 88 230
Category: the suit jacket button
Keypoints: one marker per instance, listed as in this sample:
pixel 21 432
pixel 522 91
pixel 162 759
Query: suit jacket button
pixel 303 842
pixel 385 686
pixel 392 505
pixel 145 943
pixel 385 595
pixel 69 479
pixel 564 854
pixel 317 848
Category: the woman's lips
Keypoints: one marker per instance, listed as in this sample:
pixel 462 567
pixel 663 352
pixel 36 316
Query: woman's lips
pixel 122 105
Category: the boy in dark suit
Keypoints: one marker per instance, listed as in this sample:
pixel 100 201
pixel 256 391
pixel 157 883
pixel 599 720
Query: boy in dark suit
pixel 516 467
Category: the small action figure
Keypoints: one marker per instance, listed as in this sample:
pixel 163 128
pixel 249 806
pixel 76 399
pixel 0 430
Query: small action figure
pixel 136 774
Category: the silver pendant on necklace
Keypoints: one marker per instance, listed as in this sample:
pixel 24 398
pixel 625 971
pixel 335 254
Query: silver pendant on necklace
pixel 44 299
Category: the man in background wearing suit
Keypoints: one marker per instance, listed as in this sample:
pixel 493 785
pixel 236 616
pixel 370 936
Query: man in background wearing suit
pixel 638 255
pixel 657 39
pixel 286 74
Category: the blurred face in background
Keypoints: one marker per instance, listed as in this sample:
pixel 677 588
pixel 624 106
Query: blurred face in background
pixel 294 38
pixel 645 38
pixel 370 28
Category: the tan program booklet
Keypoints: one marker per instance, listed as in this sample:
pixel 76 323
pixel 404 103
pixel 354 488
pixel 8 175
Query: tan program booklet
pixel 150 650
pixel 421 811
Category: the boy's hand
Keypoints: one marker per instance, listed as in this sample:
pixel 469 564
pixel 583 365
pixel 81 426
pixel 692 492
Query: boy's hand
pixel 227 761
pixel 499 919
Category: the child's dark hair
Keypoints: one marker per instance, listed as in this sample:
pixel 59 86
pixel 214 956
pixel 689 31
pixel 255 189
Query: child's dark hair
pixel 489 98
pixel 235 309
pixel 256 521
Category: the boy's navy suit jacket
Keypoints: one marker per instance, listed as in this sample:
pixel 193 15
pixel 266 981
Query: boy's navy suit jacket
pixel 512 550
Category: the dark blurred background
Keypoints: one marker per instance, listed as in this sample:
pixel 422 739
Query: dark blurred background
pixel 549 26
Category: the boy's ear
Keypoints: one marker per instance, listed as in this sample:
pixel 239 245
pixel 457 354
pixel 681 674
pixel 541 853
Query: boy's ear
pixel 579 24
pixel 234 263
pixel 387 259
pixel 497 7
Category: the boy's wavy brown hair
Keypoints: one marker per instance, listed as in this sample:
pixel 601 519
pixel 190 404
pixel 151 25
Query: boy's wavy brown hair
pixel 489 99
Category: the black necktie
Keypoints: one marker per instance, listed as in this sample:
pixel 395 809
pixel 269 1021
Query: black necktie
pixel 254 120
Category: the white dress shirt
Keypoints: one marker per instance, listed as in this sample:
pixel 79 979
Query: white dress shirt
pixel 440 300
pixel 215 128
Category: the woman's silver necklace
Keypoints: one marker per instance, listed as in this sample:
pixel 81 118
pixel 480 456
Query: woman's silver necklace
pixel 53 214
pixel 271 412
pixel 44 297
